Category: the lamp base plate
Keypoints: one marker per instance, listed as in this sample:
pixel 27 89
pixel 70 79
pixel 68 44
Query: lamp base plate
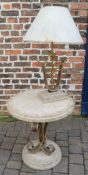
pixel 49 97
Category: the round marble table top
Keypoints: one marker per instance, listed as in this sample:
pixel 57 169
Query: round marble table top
pixel 28 106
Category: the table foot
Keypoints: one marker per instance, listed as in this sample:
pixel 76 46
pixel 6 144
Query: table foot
pixel 40 160
pixel 34 147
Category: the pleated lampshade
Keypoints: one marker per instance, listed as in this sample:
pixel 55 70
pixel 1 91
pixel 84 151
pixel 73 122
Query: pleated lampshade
pixel 53 24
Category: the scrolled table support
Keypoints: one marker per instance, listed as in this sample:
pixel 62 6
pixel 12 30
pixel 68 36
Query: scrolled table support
pixel 40 128
pixel 42 153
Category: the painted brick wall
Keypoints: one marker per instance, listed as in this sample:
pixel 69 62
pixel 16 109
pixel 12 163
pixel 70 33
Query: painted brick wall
pixel 19 69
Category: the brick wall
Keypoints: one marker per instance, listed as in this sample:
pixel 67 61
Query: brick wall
pixel 19 68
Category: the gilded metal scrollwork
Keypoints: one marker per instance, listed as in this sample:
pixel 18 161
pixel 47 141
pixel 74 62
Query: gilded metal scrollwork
pixel 54 83
pixel 42 141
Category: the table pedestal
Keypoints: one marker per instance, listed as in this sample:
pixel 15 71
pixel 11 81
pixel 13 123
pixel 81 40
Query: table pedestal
pixel 41 154
pixel 41 161
pixel 39 107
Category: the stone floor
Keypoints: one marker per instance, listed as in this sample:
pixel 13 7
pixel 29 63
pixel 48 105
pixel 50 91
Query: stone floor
pixel 70 134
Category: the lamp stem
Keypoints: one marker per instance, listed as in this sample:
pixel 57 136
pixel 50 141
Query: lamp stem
pixel 52 46
pixel 54 83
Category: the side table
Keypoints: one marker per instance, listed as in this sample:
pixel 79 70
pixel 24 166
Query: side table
pixel 29 106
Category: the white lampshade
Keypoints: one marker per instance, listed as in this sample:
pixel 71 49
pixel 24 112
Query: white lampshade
pixel 53 24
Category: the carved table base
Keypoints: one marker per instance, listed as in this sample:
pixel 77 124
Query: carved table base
pixel 41 154
pixel 39 160
pixel 38 107
pixel 40 128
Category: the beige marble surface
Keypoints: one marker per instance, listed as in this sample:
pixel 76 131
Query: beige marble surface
pixel 28 106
